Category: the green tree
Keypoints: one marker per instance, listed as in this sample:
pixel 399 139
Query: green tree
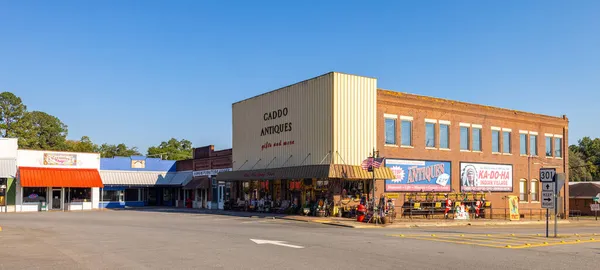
pixel 11 111
pixel 84 145
pixel 588 150
pixel 119 150
pixel 41 131
pixel 172 150
pixel 578 168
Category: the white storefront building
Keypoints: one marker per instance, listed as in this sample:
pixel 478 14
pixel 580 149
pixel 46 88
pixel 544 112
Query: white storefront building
pixel 49 180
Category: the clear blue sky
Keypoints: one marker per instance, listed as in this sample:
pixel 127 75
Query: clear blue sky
pixel 141 72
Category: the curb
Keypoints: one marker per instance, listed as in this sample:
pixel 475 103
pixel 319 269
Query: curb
pixel 416 225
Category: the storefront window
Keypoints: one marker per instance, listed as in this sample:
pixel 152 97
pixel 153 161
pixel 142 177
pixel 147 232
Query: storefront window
pixel 111 195
pixel 131 195
pixel 80 194
pixel 34 194
pixel 167 195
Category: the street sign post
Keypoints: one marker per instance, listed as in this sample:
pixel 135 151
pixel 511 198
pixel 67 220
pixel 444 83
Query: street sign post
pixel 547 201
pixel 559 182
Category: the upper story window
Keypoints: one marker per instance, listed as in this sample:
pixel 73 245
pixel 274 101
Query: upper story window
pixel 549 146
pixel 558 147
pixel 444 135
pixel 430 134
pixel 506 145
pixel 464 138
pixel 495 140
pixel 523 143
pixel 406 131
pixel 533 144
pixel 476 131
pixel 390 131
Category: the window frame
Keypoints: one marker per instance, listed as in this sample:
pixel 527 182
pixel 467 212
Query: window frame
pixel 534 193
pixel 549 149
pixel 523 192
pixel 535 151
pixel 480 141
pixel 558 141
pixel 521 143
pixel 385 131
pixel 505 144
pixel 496 132
pixel 404 120
pixel 430 124
pixel 468 133
pixel 447 135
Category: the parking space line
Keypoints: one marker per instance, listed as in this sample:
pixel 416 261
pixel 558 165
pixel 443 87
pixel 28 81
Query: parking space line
pixel 514 241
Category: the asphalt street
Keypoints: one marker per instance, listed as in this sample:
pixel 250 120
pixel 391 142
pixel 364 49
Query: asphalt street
pixel 161 240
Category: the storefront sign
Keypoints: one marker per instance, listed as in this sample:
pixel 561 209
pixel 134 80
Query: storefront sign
pixel 210 172
pixel 513 204
pixel 485 177
pixel 138 164
pixel 277 128
pixel 60 159
pixel 418 175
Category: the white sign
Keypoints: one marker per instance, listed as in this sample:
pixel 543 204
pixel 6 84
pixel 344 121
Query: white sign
pixel 547 174
pixel 273 242
pixel 548 199
pixel 210 172
pixel 595 207
pixel 548 187
pixel 485 177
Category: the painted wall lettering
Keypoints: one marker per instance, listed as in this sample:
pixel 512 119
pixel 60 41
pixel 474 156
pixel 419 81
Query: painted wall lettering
pixel 277 128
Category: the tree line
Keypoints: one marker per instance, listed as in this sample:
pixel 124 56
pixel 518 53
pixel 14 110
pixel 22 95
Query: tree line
pixel 37 130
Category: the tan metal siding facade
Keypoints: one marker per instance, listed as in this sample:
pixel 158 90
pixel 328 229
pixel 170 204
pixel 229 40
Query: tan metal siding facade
pixel 309 104
pixel 355 124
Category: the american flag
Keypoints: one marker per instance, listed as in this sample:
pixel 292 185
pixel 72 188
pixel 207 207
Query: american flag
pixel 370 163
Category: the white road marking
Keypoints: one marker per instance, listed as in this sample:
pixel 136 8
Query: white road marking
pixel 274 242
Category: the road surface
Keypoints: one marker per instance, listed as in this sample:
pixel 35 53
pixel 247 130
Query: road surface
pixel 130 239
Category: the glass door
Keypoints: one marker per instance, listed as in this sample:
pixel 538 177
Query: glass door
pixel 56 199
pixel 220 196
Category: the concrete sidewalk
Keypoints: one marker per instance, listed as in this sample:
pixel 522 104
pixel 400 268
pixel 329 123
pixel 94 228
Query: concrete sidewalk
pixel 414 223
pixel 352 223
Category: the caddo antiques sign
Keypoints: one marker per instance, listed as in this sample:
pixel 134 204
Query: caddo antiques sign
pixel 276 128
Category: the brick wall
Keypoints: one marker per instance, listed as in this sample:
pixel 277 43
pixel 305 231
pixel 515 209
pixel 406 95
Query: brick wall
pixel 420 108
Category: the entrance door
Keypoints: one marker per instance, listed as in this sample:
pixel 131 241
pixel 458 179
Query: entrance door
pixel 221 194
pixel 56 199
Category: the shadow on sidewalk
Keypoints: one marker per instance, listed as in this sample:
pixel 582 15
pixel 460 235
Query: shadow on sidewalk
pixel 193 211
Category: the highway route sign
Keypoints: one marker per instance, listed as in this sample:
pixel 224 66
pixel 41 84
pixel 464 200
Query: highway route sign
pixel 547 174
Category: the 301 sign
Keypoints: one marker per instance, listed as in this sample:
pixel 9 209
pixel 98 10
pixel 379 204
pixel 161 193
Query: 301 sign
pixel 547 174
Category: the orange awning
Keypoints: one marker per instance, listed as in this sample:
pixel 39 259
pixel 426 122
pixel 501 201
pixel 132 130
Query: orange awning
pixel 59 177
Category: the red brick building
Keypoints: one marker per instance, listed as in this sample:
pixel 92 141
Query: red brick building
pixel 203 190
pixel 525 141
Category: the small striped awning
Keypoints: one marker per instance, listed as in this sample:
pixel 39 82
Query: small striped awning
pixel 135 178
pixel 179 178
pixel 202 182
pixel 8 168
pixel 59 177
pixel 331 171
